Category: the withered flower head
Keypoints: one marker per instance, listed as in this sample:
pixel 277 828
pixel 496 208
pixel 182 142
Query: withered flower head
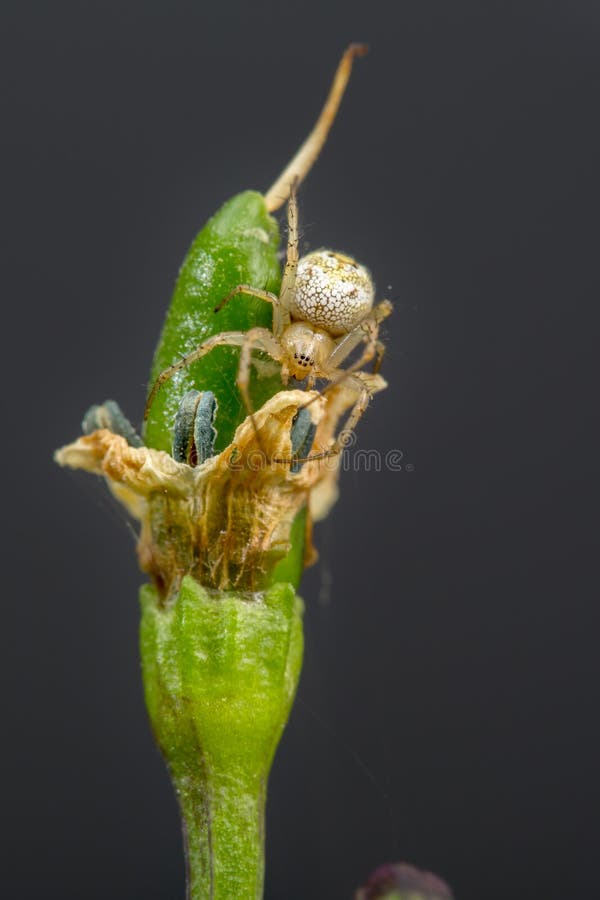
pixel 226 522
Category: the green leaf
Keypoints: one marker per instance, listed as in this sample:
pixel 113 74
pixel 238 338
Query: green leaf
pixel 239 245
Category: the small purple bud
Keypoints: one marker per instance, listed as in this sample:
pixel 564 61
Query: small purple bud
pixel 399 881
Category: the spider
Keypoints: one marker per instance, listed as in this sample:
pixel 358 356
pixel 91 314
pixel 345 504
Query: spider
pixel 323 312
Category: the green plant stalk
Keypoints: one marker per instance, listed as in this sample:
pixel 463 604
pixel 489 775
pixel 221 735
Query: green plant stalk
pixel 220 673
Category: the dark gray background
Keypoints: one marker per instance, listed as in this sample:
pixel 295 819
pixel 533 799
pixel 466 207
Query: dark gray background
pixel 448 709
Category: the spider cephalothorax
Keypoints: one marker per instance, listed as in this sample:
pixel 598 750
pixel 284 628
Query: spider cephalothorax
pixel 305 350
pixel 324 311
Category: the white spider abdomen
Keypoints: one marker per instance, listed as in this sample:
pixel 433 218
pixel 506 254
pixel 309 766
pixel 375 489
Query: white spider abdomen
pixel 332 291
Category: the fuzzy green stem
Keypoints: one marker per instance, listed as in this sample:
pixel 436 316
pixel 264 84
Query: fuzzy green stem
pixel 223 819
pixel 220 674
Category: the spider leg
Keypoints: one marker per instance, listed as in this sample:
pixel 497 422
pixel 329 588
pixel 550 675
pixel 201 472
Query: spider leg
pixel 301 163
pixel 255 339
pixel 225 339
pixel 364 398
pixel 281 313
pixel 379 354
pixel 250 292
pixel 300 460
pixel 367 329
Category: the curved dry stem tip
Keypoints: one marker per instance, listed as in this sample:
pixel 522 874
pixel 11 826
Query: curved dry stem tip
pixel 300 165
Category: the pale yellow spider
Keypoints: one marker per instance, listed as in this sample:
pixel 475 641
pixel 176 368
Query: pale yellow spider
pixel 324 311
